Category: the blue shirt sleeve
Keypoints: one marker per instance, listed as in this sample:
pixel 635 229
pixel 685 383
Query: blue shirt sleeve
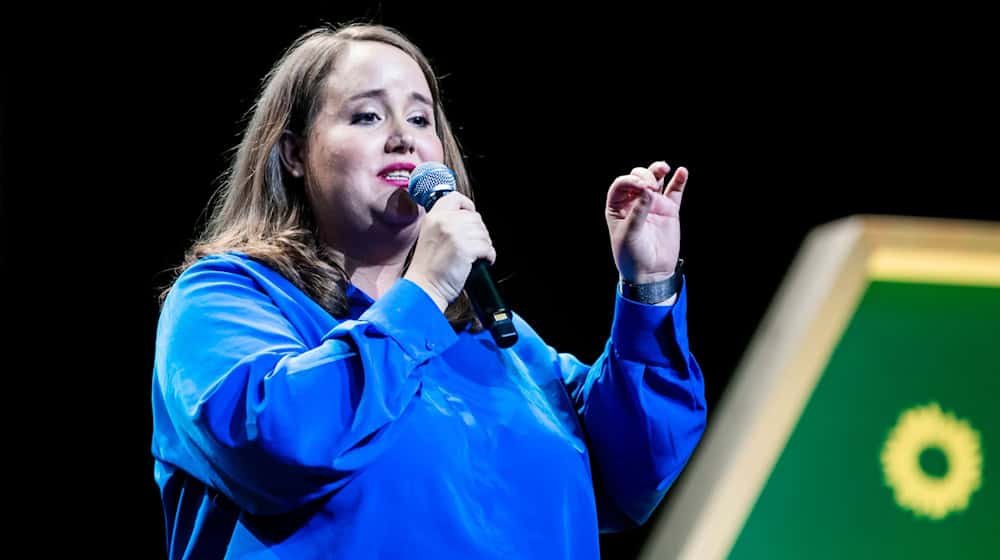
pixel 265 417
pixel 642 407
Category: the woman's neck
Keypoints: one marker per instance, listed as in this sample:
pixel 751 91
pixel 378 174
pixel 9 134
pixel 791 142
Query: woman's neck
pixel 374 274
pixel 373 264
pixel 373 279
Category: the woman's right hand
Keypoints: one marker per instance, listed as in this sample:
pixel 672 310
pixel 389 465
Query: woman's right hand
pixel 452 237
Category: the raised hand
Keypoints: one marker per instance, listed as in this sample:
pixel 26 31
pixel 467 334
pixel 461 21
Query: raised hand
pixel 644 222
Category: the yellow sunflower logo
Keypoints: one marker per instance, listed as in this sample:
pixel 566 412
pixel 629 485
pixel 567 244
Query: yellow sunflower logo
pixel 932 462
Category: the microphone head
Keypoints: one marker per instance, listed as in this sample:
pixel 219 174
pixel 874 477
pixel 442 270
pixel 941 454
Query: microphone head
pixel 429 181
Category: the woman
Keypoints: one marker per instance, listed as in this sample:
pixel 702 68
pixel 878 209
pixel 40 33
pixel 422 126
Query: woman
pixel 321 387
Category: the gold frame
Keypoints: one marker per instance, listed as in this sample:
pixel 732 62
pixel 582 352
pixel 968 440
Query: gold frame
pixel 787 356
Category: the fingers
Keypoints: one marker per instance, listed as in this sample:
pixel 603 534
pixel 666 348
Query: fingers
pixel 454 201
pixel 645 175
pixel 627 189
pixel 657 173
pixel 675 188
pixel 654 175
pixel 659 169
pixel 475 242
pixel 456 216
pixel 624 190
pixel 485 251
pixel 452 237
pixel 481 245
pixel 631 197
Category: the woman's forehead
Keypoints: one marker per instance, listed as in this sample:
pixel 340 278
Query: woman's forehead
pixel 369 66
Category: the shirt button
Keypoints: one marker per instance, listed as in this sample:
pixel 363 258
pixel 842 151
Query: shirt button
pixel 430 345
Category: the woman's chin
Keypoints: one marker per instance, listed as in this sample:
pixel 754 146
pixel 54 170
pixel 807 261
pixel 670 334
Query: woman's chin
pixel 400 209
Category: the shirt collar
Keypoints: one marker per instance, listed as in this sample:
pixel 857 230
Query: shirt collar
pixel 357 300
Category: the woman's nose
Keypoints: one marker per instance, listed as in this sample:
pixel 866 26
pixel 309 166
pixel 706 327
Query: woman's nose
pixel 400 142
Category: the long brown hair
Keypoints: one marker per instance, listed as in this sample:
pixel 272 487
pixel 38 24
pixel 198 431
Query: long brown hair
pixel 262 210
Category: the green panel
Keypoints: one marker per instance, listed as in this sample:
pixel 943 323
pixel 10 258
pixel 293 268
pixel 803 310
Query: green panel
pixel 908 345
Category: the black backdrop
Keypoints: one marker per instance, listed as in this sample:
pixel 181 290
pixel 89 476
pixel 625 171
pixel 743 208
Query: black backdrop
pixel 116 127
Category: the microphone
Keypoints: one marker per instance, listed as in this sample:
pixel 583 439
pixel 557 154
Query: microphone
pixel 428 183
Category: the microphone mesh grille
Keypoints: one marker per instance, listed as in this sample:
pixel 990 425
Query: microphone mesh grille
pixel 429 177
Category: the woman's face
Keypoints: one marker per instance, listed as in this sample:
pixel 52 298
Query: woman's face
pixel 375 125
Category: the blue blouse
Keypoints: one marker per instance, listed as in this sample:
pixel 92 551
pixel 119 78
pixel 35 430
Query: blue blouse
pixel 280 431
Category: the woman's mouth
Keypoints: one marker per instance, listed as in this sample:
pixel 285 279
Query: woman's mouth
pixel 397 174
pixel 397 178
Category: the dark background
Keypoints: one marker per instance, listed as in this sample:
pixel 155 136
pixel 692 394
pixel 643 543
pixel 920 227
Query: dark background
pixel 117 126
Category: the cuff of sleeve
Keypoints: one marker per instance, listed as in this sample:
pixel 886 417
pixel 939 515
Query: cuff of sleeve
pixel 410 316
pixel 647 333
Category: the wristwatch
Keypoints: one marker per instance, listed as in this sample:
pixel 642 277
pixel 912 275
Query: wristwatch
pixel 654 292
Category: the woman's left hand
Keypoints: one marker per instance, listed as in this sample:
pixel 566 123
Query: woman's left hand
pixel 644 222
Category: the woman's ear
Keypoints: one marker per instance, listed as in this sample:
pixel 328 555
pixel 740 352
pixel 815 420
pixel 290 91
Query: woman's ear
pixel 292 150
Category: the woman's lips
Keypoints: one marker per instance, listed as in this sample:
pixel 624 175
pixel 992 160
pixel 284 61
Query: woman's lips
pixel 400 171
pixel 401 183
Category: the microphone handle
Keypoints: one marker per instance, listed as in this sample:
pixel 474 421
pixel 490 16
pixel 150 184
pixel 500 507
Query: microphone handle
pixel 489 306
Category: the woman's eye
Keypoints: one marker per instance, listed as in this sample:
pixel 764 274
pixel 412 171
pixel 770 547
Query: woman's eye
pixel 364 118
pixel 420 121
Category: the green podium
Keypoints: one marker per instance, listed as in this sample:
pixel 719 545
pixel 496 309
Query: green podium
pixel 864 419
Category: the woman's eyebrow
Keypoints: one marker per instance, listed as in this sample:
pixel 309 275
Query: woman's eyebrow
pixel 381 94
